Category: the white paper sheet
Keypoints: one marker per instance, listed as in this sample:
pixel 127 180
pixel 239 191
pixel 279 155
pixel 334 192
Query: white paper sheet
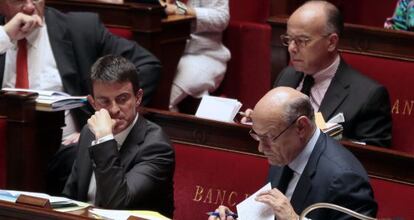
pixel 218 108
pixel 251 209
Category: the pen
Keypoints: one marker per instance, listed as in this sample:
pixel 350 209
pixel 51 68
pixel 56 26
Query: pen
pixel 216 214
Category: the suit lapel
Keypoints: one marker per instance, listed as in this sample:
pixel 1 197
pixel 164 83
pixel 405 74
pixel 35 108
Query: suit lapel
pixel 131 144
pixel 337 91
pixel 85 167
pixel 291 79
pixel 304 185
pixel 61 44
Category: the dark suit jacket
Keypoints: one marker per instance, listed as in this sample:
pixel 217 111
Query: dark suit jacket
pixel 364 103
pixel 77 41
pixel 331 175
pixel 139 176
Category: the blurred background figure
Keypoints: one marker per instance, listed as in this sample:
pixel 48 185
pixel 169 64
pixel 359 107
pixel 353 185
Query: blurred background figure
pixel 203 64
pixel 403 18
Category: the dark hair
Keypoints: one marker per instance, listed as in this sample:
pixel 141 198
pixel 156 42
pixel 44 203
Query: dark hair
pixel 335 21
pixel 111 68
pixel 300 106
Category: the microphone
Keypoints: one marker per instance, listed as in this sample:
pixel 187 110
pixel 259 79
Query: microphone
pixel 334 207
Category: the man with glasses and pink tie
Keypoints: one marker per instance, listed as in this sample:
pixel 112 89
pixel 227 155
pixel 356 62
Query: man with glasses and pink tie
pixel 317 70
pixel 44 49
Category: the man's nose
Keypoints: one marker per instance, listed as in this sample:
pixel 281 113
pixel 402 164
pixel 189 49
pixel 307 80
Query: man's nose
pixel 114 108
pixel 28 7
pixel 292 47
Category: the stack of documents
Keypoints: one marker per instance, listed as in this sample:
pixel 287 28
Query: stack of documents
pixel 218 108
pixel 56 202
pixel 53 100
pixel 333 127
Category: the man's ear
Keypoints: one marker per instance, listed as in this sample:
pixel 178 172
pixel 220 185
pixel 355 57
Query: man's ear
pixel 333 42
pixel 302 125
pixel 91 101
pixel 138 96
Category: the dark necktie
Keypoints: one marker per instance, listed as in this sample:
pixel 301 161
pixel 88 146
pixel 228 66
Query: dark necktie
pixel 307 84
pixel 285 178
pixel 22 76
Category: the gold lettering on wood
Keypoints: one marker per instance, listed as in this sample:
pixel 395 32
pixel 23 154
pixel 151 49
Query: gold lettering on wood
pixel 199 194
pixel 230 201
pixel 408 107
pixel 208 198
pixel 218 196
pixel 396 107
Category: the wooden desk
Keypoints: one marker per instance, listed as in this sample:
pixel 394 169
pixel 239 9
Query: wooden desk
pixel 379 162
pixel 13 211
pixel 32 138
pixel 164 36
pixel 358 39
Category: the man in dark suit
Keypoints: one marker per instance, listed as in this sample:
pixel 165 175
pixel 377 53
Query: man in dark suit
pixel 312 38
pixel 124 161
pixel 61 49
pixel 307 166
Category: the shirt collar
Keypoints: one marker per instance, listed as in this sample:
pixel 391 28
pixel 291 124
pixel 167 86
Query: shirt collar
pixel 328 72
pixel 299 163
pixel 120 137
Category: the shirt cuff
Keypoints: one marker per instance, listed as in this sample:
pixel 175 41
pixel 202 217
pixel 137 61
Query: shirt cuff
pixel 5 42
pixel 102 139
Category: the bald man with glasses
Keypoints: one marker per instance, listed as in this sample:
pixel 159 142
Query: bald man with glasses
pixel 44 49
pixel 307 166
pixel 317 70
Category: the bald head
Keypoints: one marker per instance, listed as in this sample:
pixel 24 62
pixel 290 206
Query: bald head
pixel 283 104
pixel 282 123
pixel 322 15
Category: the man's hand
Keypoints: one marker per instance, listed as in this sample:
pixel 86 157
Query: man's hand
pixel 247 116
pixel 101 123
pixel 279 203
pixel 169 7
pixel 22 25
pixel 222 210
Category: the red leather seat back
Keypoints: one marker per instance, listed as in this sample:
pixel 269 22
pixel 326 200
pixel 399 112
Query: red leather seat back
pixel 121 32
pixel 206 178
pixel 249 10
pixel 397 76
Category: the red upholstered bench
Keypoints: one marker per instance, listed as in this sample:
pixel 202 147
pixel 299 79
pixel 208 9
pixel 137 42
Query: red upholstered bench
pixel 206 178
pixel 121 32
pixel 3 125
pixel 394 199
pixel 398 77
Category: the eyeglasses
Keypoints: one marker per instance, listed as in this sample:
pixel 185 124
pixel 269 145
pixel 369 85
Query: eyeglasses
pixel 19 3
pixel 267 139
pixel 300 42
